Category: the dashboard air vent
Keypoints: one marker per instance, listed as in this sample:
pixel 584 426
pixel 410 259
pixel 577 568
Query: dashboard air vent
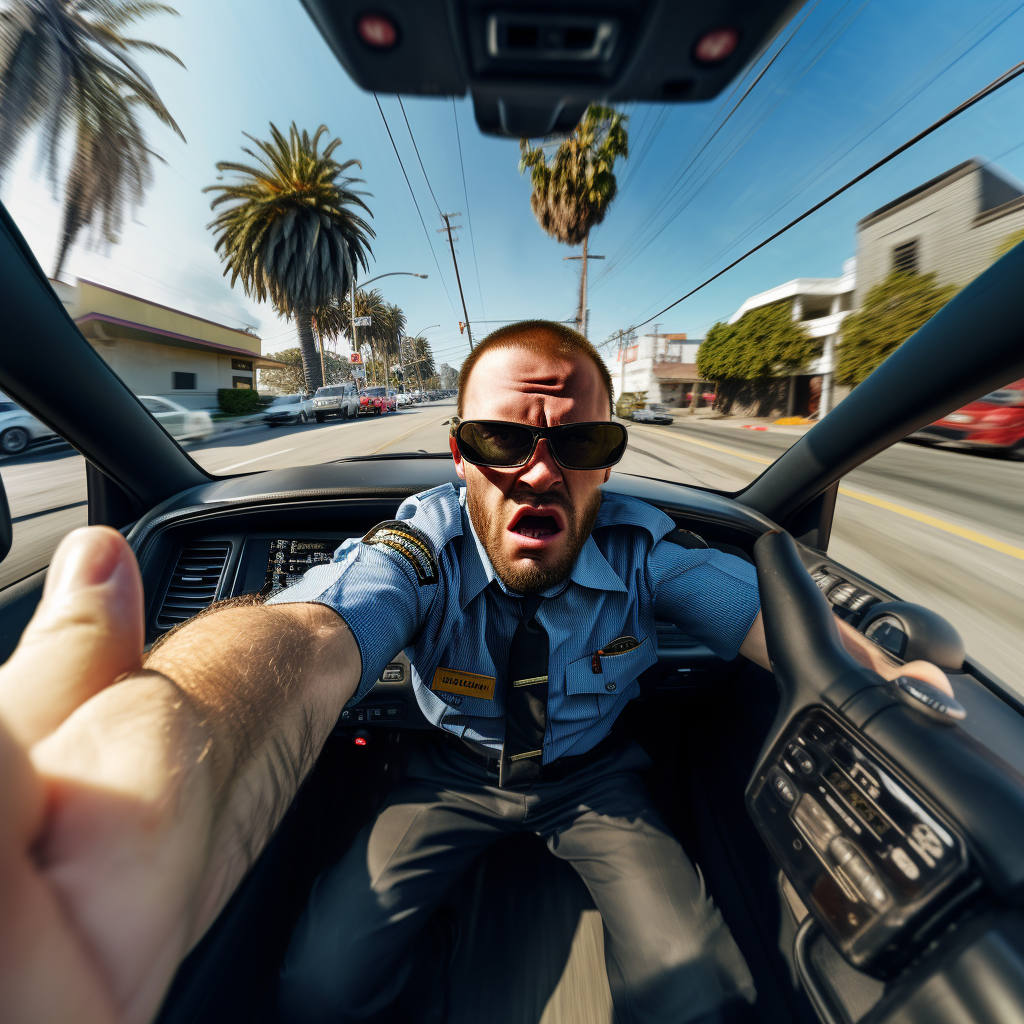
pixel 194 582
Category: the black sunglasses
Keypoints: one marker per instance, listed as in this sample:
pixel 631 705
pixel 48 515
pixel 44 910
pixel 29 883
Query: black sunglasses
pixel 502 445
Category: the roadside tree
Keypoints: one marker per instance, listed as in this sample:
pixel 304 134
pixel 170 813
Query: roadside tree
pixel 67 69
pixel 294 232
pixel 291 379
pixel 753 359
pixel 572 194
pixel 893 310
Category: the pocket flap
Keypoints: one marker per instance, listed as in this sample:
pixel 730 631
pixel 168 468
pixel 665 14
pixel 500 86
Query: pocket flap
pixel 617 670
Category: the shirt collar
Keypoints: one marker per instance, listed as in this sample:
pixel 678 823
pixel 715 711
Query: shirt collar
pixel 591 569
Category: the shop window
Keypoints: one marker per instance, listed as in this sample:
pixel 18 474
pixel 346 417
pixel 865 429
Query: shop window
pixel 184 381
pixel 241 382
pixel 904 258
pixel 241 364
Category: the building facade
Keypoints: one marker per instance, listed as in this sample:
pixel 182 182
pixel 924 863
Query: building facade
pixel 950 226
pixel 664 366
pixel 821 304
pixel 161 351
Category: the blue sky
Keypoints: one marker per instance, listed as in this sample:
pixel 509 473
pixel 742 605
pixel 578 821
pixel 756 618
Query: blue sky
pixel 857 79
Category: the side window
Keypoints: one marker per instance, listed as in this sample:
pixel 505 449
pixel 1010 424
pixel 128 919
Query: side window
pixel 44 478
pixel 184 381
pixel 938 520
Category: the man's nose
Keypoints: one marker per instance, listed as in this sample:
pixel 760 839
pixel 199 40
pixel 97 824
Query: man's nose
pixel 541 473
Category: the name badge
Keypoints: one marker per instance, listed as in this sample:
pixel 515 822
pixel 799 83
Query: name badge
pixel 467 684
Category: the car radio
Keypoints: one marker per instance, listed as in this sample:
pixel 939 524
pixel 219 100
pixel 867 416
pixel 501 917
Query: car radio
pixel 874 863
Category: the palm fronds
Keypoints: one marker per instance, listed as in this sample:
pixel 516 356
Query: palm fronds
pixel 66 66
pixel 571 195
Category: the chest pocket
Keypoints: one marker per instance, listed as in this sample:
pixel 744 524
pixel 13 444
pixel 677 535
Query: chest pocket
pixel 617 671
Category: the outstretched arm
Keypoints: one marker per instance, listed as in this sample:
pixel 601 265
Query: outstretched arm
pixel 866 653
pixel 134 797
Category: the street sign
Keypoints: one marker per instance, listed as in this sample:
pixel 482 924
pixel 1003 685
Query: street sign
pixel 355 357
pixel 359 372
pixel 363 321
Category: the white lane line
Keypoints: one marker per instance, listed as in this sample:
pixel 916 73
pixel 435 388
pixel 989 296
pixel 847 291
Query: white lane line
pixel 235 465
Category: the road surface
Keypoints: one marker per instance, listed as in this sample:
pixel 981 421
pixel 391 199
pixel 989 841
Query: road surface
pixel 939 527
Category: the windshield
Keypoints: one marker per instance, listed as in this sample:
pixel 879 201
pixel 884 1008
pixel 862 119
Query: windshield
pixel 713 388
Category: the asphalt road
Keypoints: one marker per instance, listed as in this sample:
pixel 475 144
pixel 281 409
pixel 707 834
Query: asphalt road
pixel 940 527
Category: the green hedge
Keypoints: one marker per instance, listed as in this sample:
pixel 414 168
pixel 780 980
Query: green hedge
pixel 238 401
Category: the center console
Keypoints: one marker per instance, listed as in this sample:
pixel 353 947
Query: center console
pixel 879 868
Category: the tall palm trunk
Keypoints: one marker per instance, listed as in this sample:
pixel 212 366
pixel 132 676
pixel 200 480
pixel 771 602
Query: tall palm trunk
pixel 307 346
pixel 581 312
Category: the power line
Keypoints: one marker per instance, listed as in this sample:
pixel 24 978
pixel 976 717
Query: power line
pixel 997 83
pixel 469 216
pixel 416 150
pixel 415 203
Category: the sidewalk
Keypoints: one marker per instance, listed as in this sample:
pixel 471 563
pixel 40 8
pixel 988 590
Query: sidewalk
pixel 762 424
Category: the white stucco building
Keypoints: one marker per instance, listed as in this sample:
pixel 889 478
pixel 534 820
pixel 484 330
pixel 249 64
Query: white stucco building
pixel 662 365
pixel 821 304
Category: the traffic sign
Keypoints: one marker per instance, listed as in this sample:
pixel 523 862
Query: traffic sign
pixel 355 357
pixel 363 321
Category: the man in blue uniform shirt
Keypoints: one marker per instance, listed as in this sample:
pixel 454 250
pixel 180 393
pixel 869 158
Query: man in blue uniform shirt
pixel 526 602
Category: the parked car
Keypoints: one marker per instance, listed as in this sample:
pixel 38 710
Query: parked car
pixel 341 400
pixel 374 401
pixel 19 429
pixel 653 413
pixel 289 409
pixel 403 400
pixel 707 397
pixel 995 422
pixel 181 423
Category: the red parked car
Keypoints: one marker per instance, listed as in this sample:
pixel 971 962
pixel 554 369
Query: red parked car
pixel 995 421
pixel 374 401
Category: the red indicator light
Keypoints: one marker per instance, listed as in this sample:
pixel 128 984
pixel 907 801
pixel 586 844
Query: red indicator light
pixel 716 45
pixel 377 30
pixel 360 741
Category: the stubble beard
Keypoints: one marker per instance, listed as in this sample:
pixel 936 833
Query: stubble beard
pixel 527 576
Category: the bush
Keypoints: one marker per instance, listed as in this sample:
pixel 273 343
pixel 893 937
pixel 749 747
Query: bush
pixel 238 401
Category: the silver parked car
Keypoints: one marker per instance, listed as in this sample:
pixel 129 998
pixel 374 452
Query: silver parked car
pixel 181 423
pixel 289 409
pixel 341 400
pixel 19 429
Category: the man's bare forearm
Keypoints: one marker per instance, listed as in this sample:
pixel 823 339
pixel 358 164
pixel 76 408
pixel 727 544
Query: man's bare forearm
pixel 264 685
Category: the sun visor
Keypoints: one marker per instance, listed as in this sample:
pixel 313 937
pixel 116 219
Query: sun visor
pixel 533 68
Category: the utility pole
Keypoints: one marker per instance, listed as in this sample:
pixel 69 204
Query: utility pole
pixel 352 310
pixel 581 312
pixel 447 218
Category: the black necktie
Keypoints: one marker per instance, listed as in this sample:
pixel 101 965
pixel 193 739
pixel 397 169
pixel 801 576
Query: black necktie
pixel 526 698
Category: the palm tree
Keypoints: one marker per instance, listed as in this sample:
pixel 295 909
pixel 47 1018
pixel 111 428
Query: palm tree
pixel 394 326
pixel 293 233
pixel 329 322
pixel 572 194
pixel 368 303
pixel 65 66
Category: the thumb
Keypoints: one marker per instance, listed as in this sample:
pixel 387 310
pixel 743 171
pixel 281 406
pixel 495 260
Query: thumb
pixel 87 631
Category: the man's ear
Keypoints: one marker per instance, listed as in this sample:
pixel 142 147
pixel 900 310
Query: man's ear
pixel 460 466
pixel 607 475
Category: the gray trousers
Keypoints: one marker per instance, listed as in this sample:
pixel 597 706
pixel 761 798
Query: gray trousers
pixel 669 954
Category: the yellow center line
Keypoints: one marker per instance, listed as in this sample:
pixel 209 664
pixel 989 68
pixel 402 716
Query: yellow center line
pixel 890 506
pixel 401 437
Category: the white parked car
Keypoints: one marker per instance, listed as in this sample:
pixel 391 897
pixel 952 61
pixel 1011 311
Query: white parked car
pixel 181 423
pixel 19 429
pixel 403 399
pixel 289 409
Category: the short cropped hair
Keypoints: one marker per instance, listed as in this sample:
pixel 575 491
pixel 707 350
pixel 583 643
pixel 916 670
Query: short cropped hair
pixel 543 337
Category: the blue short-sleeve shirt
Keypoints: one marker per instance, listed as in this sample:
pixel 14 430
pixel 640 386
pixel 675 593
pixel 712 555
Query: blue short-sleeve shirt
pixel 459 624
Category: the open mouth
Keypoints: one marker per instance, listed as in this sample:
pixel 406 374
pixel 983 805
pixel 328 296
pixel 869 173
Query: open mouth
pixel 536 524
